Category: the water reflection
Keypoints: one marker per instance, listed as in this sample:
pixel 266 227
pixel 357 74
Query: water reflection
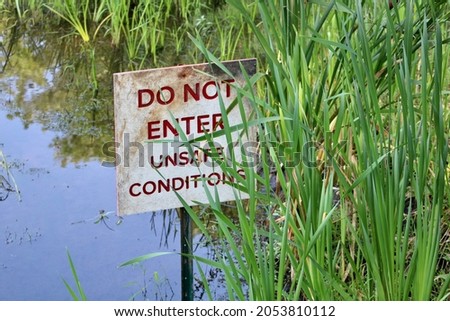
pixel 55 114
pixel 49 80
pixel 5 188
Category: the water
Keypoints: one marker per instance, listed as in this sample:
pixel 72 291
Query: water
pixel 52 128
pixel 57 212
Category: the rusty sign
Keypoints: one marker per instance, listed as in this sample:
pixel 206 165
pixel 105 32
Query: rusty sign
pixel 154 110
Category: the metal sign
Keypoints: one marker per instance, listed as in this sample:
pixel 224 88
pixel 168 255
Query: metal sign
pixel 154 109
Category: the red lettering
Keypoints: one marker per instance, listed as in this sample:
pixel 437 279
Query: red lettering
pixel 149 100
pixel 217 121
pixel 153 188
pixel 195 95
pixel 154 164
pixel 166 94
pixel 162 99
pixel 227 86
pixel 189 124
pixel 195 179
pixel 215 154
pixel 180 183
pixel 131 190
pixel 163 185
pixel 201 125
pixel 205 90
pixel 183 158
pixel 152 128
pixel 167 125
pixel 241 172
pixel 213 181
pixel 171 160
pixel 146 97
pixel 187 121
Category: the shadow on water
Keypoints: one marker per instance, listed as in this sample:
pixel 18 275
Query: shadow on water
pixel 56 112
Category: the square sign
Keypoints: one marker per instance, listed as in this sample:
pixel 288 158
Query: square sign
pixel 154 109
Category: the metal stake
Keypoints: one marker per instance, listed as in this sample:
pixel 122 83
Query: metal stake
pixel 187 272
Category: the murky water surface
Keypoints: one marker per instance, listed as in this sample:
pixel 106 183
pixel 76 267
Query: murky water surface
pixel 54 119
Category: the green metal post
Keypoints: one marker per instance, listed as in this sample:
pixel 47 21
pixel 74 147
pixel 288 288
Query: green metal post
pixel 187 272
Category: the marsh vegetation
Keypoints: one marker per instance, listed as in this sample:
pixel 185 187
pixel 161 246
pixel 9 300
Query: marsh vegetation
pixel 352 109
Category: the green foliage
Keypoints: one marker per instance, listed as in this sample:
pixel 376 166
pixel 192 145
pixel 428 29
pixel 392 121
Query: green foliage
pixel 7 182
pixel 352 122
pixel 78 293
pixel 145 30
pixel 71 12
pixel 352 113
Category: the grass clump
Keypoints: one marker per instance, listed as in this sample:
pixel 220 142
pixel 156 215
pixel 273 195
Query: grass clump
pixel 352 123
pixel 146 31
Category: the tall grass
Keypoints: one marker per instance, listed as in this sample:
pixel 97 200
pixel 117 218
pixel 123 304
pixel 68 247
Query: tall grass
pixel 144 30
pixel 76 293
pixel 350 196
pixel 71 12
pixel 350 114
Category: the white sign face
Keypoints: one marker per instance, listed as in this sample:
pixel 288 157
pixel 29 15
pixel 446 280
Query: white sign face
pixel 154 109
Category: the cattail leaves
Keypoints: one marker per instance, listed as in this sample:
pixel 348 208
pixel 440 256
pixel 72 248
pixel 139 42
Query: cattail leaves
pixel 352 118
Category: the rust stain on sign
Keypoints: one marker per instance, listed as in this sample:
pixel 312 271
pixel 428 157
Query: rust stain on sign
pixel 153 109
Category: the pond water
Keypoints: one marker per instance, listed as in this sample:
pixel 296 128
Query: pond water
pixel 53 122
pixel 57 212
